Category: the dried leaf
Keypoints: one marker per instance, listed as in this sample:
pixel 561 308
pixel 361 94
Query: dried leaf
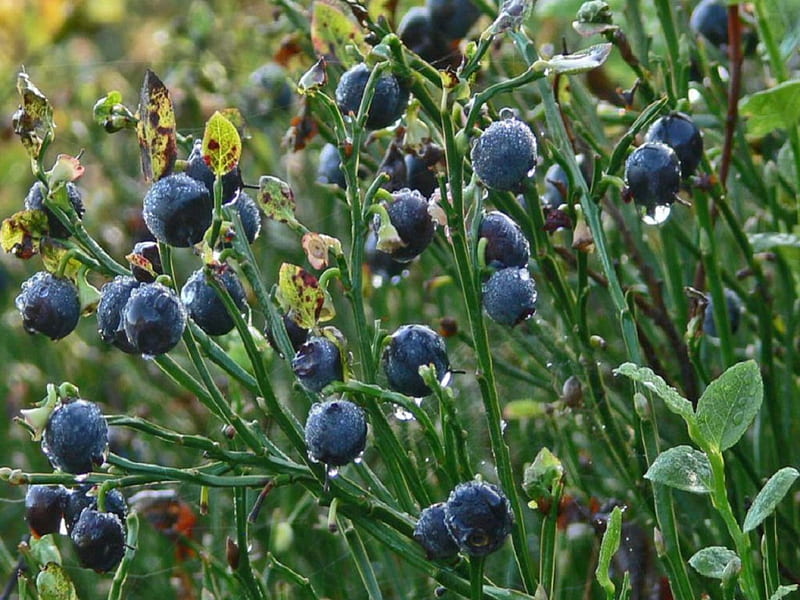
pixel 317 246
pixel 222 146
pixel 33 121
pixel 314 78
pixel 156 129
pixel 20 233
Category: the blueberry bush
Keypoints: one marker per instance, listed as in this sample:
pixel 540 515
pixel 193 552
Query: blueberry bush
pixel 341 299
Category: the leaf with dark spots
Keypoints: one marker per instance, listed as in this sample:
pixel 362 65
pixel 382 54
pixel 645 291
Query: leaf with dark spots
pixel 156 129
pixel 299 295
pixel 222 146
pixel 33 121
pixel 20 233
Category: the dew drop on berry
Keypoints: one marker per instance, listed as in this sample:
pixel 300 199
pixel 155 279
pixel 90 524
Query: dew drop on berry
pixel 657 215
pixel 332 472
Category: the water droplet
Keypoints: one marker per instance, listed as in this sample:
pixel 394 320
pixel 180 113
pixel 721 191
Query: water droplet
pixel 737 418
pixel 333 472
pixel 401 414
pixel 503 426
pixel 656 215
pixel 446 379
pixel 359 459
pixel 148 356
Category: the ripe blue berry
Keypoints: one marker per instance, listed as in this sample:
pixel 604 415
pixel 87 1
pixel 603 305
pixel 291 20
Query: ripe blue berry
pixel 734 314
pixel 710 19
pixel 75 438
pixel 153 319
pixel 336 432
pixel 419 176
pixel 478 516
pixel 556 183
pixel 49 305
pixel 114 296
pixel 329 169
pixel 297 335
pixel 249 214
pixel 409 348
pixel 653 175
pixel 408 212
pixel 317 363
pixel 197 169
pixel 85 497
pixel 419 34
pixel 506 245
pixel 509 296
pixel 44 507
pixel 387 103
pixel 148 250
pixel 431 533
pixel 454 18
pixel 505 154
pixel 178 210
pixel 99 540
pixel 203 304
pixel 679 132
pixel 35 201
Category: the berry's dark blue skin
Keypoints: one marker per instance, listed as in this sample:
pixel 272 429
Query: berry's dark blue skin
pixel 85 497
pixel 419 176
pixel 506 245
pixel 505 154
pixel 710 19
pixel 35 201
pixel 509 296
pixel 330 167
pixel 178 210
pixel 153 319
pixel 197 169
pixel 148 250
pixel 454 18
pixel 431 533
pixel 44 507
pixel 408 212
pixel 317 363
pixel 49 305
pixel 99 540
pixel 387 103
pixel 75 438
pixel 734 314
pixel 556 183
pixel 297 335
pixel 249 215
pixel 336 432
pixel 478 516
pixel 653 175
pixel 114 296
pixel 679 132
pixel 418 33
pixel 204 305
pixel 411 347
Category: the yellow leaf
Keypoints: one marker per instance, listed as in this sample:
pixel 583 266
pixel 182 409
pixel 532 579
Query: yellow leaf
pixel 332 30
pixel 299 294
pixel 156 129
pixel 222 146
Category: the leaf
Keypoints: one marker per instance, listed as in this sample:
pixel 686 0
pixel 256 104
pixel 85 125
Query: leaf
pixel 682 468
pixel 33 121
pixel 526 408
pixel 609 547
pixel 542 475
pixel 53 254
pixel 53 583
pixel 299 294
pixel 276 199
pixel 222 146
pixel 156 129
pixel 775 108
pixel 768 498
pixel 783 590
pixel 768 241
pixel 578 62
pixel 317 246
pixel 20 233
pixel 729 405
pixel 111 114
pixel 331 31
pixel 674 401
pixel 712 561
pixel 44 549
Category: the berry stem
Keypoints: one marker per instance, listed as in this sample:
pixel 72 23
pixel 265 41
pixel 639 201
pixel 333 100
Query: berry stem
pixel 121 574
pixel 476 577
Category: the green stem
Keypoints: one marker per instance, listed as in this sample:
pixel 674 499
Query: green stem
pixel 476 577
pixel 121 574
pixel 244 569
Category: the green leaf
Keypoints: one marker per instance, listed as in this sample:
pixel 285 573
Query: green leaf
pixel 729 405
pixel 53 583
pixel 578 62
pixel 682 468
pixel 524 408
pixel 331 31
pixel 33 120
pixel 609 547
pixel 768 498
pixel 768 241
pixel 222 146
pixel 156 129
pixel 783 590
pixel 674 401
pixel 542 475
pixel 44 550
pixel 713 561
pixel 276 199
pixel 21 232
pixel 775 108
pixel 299 294
pixel 111 114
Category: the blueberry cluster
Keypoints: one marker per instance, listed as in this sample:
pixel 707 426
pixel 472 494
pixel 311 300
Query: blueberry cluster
pixel 475 520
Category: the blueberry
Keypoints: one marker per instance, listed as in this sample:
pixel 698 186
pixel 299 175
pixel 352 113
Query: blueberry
pixel 387 103
pixel 710 19
pixel 197 169
pixel 336 432
pixel 204 305
pixel 249 215
pixel 99 539
pixel 418 33
pixel 330 167
pixel 506 245
pixel 75 438
pixel 509 296
pixel 153 319
pixel 148 250
pixel 35 201
pixel 505 154
pixel 267 89
pixel 317 363
pixel 454 18
pixel 178 210
pixel 556 183
pixel 379 262
pixel 478 516
pixel 44 507
pixel 432 533
pixel 114 296
pixel 85 497
pixel 679 132
pixel 297 335
pixel 419 176
pixel 653 175
pixel 409 348
pixel 49 305
pixel 734 314
pixel 408 212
